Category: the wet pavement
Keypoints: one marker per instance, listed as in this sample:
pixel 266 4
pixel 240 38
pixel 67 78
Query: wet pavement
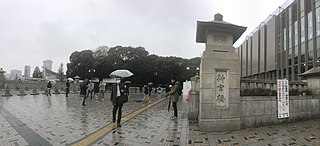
pixel 59 120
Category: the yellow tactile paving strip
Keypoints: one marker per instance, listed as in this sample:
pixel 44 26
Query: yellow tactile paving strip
pixel 108 128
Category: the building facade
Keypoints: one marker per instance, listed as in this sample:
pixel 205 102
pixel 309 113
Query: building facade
pixel 47 64
pixel 27 71
pixel 285 45
pixel 15 74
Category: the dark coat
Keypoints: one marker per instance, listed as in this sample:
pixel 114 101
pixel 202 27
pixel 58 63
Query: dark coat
pixel 68 84
pixel 49 85
pixel 114 98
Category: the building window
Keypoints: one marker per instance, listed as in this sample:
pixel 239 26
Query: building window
pixel 310 65
pixel 310 56
pixel 290 53
pixel 284 39
pixel 295 72
pixel 301 5
pixel 318 21
pixel 303 68
pixel 295 33
pixel 290 37
pixel 289 62
pixel 295 60
pixel 302 57
pixel 310 45
pixel 303 48
pixel 318 42
pixel 302 30
pixel 310 26
pixel 318 54
pixel 295 53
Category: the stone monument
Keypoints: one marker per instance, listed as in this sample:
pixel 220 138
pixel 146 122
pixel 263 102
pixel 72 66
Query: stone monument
pixel 21 93
pixel 219 103
pixel 34 92
pixel 2 78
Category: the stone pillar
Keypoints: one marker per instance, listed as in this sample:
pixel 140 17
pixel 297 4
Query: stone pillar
pixel 194 100
pixel 219 108
pixel 2 79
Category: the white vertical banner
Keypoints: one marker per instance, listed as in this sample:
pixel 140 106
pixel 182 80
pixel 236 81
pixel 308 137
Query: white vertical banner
pixel 283 98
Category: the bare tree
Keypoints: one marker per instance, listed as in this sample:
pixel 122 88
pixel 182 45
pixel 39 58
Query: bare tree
pixel 101 51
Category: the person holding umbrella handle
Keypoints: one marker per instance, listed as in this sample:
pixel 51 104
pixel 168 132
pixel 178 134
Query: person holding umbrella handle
pixel 173 95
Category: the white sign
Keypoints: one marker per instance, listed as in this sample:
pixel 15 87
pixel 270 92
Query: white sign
pixel 283 99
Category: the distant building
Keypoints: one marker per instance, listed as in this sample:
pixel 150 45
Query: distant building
pixel 47 64
pixel 285 45
pixel 15 74
pixel 27 70
pixel 50 75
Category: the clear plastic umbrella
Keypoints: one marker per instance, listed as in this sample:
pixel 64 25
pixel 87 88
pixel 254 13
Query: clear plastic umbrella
pixel 121 73
pixel 70 79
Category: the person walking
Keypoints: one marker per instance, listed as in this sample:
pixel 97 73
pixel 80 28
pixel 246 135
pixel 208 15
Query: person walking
pixel 96 89
pixel 117 94
pixel 67 88
pixel 49 86
pixel 84 86
pixel 146 93
pixel 102 89
pixel 90 89
pixel 174 95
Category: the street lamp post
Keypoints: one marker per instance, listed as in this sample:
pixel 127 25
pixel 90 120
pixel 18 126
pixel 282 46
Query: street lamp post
pixel 91 72
pixel 193 68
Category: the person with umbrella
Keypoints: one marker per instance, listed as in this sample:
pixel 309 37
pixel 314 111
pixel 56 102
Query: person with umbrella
pixel 119 94
pixel 173 96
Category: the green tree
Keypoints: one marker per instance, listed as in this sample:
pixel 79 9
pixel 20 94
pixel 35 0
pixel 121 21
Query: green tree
pixel 146 68
pixel 61 72
pixel 37 73
pixel 80 64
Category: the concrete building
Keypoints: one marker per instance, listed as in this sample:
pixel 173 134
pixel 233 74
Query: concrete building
pixel 27 70
pixel 47 64
pixel 15 74
pixel 285 45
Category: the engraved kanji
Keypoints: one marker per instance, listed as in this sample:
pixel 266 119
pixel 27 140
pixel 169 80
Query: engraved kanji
pixel 220 87
pixel 220 98
pixel 221 78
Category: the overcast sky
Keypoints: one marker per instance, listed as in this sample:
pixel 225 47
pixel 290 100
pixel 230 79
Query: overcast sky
pixel 35 30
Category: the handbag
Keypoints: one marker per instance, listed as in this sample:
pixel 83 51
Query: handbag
pixel 124 98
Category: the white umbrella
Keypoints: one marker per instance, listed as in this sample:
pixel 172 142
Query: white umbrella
pixel 121 73
pixel 52 81
pixel 70 79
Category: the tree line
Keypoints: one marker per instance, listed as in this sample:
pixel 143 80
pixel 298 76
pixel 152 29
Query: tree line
pixel 145 67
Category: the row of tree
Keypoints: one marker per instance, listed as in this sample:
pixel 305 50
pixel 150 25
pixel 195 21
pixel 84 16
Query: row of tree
pixel 145 67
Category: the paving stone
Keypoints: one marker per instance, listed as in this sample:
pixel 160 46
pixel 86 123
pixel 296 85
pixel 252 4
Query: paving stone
pixel 63 120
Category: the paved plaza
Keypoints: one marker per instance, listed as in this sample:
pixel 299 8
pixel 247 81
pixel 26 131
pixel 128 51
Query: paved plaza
pixel 58 120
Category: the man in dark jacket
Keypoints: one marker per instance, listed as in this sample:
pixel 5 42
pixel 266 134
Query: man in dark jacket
pixel 117 92
pixel 49 86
